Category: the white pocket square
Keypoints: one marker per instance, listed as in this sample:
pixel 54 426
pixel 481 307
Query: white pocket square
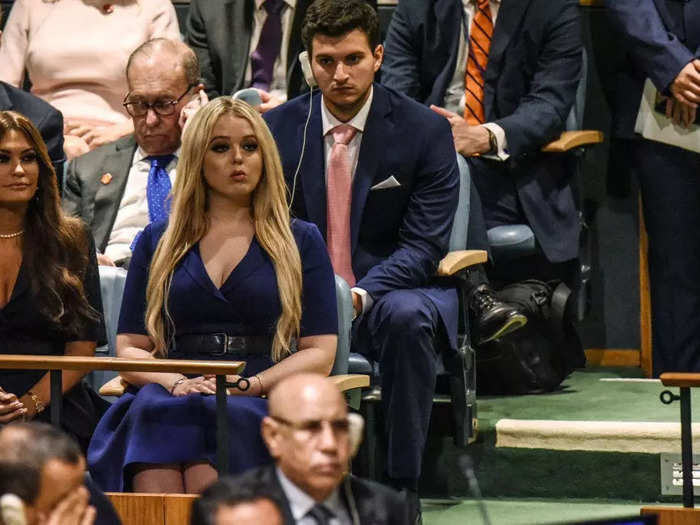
pixel 391 182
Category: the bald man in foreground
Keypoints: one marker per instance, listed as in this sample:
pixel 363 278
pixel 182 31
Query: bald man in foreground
pixel 308 435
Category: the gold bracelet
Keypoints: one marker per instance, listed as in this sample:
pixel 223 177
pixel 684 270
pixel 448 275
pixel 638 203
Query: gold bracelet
pixel 39 406
pixel 262 388
pixel 181 380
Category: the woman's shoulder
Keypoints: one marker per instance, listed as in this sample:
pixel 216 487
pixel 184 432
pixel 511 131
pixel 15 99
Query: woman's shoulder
pixel 303 230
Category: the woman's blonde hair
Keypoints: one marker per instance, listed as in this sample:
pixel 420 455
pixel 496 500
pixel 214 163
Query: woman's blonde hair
pixel 189 223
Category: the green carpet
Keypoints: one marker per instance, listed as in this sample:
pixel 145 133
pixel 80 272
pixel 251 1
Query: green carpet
pixel 524 512
pixel 542 473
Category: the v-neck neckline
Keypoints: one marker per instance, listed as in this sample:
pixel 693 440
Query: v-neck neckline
pixel 235 270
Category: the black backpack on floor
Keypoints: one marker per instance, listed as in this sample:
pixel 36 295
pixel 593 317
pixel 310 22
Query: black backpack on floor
pixel 541 354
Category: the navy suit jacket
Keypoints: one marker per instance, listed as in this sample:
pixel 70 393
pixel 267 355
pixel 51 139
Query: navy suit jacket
pixel 398 234
pixel 530 86
pixel 44 116
pixel 658 45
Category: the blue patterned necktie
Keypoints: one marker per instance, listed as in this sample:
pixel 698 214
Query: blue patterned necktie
pixel 157 190
pixel 158 187
pixel 262 61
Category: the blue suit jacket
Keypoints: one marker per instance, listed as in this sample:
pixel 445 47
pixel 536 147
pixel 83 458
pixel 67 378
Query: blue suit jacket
pixel 530 86
pixel 658 45
pixel 399 234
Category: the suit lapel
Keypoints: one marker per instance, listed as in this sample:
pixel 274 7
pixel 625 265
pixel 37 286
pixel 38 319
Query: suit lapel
pixel 374 139
pixel 6 103
pixel 271 480
pixel 240 16
pixel 108 196
pixel 313 178
pixel 509 15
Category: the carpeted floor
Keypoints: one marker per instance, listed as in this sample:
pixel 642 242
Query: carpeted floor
pixel 524 512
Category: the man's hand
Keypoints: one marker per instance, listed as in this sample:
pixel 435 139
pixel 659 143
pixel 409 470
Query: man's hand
pixel 104 260
pixel 10 407
pixel 356 304
pixel 268 101
pixel 686 86
pixel 72 510
pixel 197 101
pixel 469 140
pixel 682 114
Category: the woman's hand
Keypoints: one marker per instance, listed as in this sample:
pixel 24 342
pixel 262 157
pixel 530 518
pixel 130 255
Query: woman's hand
pixel 10 407
pixel 254 386
pixel 196 385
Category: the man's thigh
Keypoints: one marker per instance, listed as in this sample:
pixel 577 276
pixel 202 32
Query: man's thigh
pixel 496 188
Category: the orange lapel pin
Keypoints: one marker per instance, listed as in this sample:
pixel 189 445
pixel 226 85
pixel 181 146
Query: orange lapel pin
pixel 106 178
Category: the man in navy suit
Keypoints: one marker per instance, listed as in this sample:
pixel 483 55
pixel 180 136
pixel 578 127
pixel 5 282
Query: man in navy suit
pixel 528 78
pixel 662 42
pixel 399 196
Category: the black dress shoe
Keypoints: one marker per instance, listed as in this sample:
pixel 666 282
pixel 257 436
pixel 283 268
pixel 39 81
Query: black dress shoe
pixel 493 318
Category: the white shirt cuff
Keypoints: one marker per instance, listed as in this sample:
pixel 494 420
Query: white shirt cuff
pixel 365 299
pixel 502 149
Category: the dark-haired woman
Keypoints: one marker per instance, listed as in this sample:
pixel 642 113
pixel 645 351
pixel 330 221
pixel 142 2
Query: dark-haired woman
pixel 49 284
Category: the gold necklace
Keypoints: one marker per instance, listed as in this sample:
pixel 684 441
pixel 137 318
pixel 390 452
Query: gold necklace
pixel 11 235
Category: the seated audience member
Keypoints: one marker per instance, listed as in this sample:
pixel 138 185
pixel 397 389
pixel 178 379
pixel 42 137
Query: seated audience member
pixel 660 42
pixel 243 44
pixel 386 212
pixel 505 98
pixel 226 503
pixel 120 187
pixel 45 469
pixel 74 53
pixel 45 117
pixel 49 285
pixel 228 262
pixel 308 435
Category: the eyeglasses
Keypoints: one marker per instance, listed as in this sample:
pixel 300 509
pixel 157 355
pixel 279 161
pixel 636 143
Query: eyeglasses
pixel 163 107
pixel 314 427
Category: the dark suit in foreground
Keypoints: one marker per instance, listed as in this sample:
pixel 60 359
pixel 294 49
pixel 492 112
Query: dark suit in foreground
pixel 530 85
pixel 44 116
pixel 660 39
pixel 373 502
pixel 398 236
pixel 96 199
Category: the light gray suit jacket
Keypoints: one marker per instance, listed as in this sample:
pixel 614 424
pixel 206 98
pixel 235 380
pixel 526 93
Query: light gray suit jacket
pixel 95 184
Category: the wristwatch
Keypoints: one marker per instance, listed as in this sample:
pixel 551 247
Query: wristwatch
pixel 493 143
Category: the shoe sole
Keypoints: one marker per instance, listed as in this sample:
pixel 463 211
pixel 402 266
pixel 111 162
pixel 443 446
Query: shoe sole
pixel 515 322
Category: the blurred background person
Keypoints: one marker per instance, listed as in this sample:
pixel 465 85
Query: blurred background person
pixel 226 503
pixel 44 116
pixel 49 285
pixel 74 53
pixel 228 277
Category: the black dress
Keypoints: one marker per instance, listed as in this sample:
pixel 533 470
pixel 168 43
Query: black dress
pixel 24 330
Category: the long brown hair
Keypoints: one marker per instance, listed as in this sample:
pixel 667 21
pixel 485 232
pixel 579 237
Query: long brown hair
pixel 55 247
pixel 189 223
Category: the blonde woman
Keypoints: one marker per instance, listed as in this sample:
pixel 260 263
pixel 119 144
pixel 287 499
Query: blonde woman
pixel 228 267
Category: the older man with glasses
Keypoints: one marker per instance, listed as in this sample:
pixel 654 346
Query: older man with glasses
pixel 311 438
pixel 119 188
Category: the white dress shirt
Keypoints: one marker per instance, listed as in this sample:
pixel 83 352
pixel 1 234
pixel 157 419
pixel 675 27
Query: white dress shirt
pixel 279 71
pixel 301 503
pixel 454 96
pixel 358 122
pixel 132 216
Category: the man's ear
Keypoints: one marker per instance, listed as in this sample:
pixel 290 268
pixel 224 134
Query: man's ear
pixel 270 430
pixel 378 57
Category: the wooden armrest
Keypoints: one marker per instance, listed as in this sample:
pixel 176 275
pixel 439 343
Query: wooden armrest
pixel 455 261
pixel 569 140
pixel 114 387
pixel 349 381
pixel 681 379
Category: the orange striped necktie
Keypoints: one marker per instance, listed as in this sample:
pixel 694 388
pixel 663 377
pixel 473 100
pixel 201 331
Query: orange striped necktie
pixel 479 44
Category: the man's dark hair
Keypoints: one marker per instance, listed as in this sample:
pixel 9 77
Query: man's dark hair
pixel 24 450
pixel 337 17
pixel 226 492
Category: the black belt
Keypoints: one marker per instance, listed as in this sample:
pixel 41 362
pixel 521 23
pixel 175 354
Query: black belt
pixel 221 344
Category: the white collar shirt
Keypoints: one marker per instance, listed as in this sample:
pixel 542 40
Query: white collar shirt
pixel 300 503
pixel 132 215
pixel 279 71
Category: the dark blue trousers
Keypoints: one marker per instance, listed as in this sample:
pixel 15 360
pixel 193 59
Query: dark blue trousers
pixel 403 332
pixel 669 178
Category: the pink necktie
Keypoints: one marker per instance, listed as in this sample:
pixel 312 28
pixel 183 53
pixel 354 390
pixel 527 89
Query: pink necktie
pixel 339 198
